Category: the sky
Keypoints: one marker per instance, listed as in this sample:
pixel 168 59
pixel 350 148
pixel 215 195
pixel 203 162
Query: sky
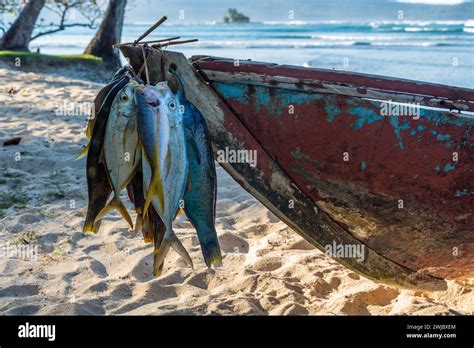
pixel 199 11
pixel 304 10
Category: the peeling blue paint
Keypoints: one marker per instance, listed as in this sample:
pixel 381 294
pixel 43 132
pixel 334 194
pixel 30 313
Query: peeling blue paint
pixel 364 116
pixel 443 137
pixel 437 168
pixel 363 165
pixel 448 167
pixel 278 100
pixel 297 153
pixel 465 192
pixel 232 91
pixel 331 112
pixel 397 127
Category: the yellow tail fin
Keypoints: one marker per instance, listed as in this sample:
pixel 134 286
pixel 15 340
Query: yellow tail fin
pixel 115 203
pixel 83 152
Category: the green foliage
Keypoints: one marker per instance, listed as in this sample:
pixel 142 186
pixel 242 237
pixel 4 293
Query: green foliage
pixel 46 57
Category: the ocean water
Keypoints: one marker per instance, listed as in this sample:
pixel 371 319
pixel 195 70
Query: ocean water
pixel 434 51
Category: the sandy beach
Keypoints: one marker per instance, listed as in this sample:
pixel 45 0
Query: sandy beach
pixel 267 268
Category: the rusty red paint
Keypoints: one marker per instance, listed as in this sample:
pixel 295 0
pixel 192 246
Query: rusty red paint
pixel 310 150
pixel 358 80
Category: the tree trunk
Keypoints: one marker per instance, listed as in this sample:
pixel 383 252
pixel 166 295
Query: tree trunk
pixel 109 33
pixel 18 36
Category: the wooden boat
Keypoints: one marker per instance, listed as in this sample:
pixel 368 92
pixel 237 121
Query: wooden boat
pixel 339 171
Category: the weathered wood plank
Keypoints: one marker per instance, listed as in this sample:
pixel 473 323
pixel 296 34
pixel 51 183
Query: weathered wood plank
pixel 338 82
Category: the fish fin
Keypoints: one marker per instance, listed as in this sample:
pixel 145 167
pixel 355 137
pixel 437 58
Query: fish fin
pixel 194 147
pixel 90 128
pixel 138 223
pixel 157 269
pixel 180 211
pixel 212 254
pixel 97 226
pixel 171 240
pixel 89 227
pixel 104 211
pixel 83 152
pixel 123 211
pixel 156 187
pixel 159 257
pixel 147 230
pixel 115 203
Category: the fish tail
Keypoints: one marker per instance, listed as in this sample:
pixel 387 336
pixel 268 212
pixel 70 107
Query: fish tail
pixel 83 152
pixel 159 257
pixel 157 269
pixel 89 129
pixel 123 211
pixel 139 222
pixel 89 226
pixel 147 231
pixel 210 248
pixel 212 254
pixel 170 240
pixel 115 203
pixel 180 249
pixel 156 187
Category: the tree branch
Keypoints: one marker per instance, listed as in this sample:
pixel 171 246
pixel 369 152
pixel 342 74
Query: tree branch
pixel 52 31
pixel 61 9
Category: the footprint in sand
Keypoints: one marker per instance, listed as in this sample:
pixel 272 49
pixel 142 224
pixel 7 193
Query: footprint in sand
pixel 231 243
pixel 99 269
pixel 267 264
pixel 25 310
pixel 20 291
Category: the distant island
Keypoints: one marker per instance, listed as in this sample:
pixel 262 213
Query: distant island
pixel 235 17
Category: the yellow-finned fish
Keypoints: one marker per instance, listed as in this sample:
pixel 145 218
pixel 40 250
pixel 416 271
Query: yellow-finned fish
pixel 174 174
pixel 98 185
pixel 122 152
pixel 98 104
pixel 154 132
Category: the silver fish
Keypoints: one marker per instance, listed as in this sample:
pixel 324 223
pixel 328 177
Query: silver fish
pixel 121 149
pixel 175 173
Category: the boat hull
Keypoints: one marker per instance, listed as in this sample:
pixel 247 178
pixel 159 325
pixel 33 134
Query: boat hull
pixel 340 173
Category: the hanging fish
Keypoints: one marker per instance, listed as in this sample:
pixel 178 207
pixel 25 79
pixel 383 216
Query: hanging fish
pixel 121 149
pixel 174 174
pixel 98 101
pixel 200 196
pixel 98 185
pixel 153 129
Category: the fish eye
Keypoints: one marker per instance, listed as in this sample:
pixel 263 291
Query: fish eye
pixel 123 98
pixel 172 105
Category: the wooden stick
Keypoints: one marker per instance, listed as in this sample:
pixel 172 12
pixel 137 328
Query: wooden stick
pixel 174 43
pixel 150 30
pixel 147 42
